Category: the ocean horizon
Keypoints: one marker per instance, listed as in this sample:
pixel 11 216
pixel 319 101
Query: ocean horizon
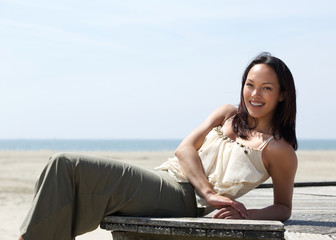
pixel 127 144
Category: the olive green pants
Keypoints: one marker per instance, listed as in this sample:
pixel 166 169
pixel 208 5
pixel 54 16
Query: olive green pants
pixel 74 193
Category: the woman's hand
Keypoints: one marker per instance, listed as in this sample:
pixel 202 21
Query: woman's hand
pixel 228 208
pixel 228 213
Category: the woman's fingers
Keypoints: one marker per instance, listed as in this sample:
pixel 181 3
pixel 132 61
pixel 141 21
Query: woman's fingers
pixel 228 213
pixel 222 213
pixel 240 208
pixel 221 202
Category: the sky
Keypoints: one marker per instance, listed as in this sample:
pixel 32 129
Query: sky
pixel 155 69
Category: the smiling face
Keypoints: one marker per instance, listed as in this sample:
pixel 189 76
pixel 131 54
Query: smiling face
pixel 262 93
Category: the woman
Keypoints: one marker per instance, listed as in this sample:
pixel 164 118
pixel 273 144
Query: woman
pixel 229 154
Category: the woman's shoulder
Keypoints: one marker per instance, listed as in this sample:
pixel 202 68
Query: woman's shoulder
pixel 219 116
pixel 226 111
pixel 280 145
pixel 279 152
pixel 229 108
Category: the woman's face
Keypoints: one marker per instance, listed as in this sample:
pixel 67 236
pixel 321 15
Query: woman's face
pixel 262 92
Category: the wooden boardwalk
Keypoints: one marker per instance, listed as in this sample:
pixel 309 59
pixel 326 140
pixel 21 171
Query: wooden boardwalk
pixel 314 211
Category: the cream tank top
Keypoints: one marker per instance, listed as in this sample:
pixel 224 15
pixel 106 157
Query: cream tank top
pixel 232 168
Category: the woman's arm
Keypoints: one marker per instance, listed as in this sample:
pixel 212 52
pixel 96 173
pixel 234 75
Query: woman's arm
pixel 192 168
pixel 281 164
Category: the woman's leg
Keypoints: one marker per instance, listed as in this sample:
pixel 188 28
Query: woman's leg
pixel 76 191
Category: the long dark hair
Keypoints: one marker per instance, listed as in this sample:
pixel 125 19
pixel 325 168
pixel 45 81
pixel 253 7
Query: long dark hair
pixel 285 113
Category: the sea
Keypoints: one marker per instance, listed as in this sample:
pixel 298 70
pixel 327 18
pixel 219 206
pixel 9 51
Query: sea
pixel 126 144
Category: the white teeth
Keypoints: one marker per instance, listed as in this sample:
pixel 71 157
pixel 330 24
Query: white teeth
pixel 256 104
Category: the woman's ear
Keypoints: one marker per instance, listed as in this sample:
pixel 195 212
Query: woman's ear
pixel 282 96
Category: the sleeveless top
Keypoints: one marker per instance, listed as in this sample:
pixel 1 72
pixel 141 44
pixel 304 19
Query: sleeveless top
pixel 232 168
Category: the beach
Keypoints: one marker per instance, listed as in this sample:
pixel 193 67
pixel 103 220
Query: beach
pixel 20 169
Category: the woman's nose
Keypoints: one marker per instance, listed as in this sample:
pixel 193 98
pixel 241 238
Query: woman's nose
pixel 256 92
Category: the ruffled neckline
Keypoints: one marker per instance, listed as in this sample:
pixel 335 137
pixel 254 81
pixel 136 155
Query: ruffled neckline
pixel 218 129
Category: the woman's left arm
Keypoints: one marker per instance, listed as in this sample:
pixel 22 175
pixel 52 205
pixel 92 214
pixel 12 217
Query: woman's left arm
pixel 281 163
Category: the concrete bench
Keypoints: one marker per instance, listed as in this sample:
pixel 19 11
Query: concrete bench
pixel 135 228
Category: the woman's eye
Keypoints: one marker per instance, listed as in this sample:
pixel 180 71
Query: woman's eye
pixel 249 84
pixel 267 88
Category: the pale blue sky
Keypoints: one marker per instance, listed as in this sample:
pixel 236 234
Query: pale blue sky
pixel 154 69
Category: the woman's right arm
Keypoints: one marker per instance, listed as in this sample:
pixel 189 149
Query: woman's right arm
pixel 191 165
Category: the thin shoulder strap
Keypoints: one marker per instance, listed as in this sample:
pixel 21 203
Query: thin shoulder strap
pixel 263 145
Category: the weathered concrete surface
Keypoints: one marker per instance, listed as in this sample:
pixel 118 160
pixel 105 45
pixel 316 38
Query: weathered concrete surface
pixel 191 228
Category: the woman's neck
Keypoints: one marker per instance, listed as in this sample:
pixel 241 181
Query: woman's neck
pixel 259 125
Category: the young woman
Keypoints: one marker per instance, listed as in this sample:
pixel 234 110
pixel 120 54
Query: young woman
pixel 229 154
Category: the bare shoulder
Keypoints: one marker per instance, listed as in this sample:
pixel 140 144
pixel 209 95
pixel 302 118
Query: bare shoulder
pixel 216 118
pixel 279 154
pixel 282 165
pixel 223 112
pixel 229 109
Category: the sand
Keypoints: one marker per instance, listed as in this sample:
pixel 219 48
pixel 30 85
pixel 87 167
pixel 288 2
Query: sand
pixel 20 169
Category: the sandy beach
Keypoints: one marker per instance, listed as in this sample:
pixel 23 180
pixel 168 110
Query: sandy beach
pixel 20 169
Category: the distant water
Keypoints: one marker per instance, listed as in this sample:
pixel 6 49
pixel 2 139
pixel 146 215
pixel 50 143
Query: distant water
pixel 328 144
pixel 127 145
pixel 90 145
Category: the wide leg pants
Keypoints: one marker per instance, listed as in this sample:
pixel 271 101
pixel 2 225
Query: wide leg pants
pixel 74 193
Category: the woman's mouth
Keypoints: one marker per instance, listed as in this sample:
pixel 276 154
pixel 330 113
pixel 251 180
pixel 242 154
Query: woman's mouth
pixel 256 104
